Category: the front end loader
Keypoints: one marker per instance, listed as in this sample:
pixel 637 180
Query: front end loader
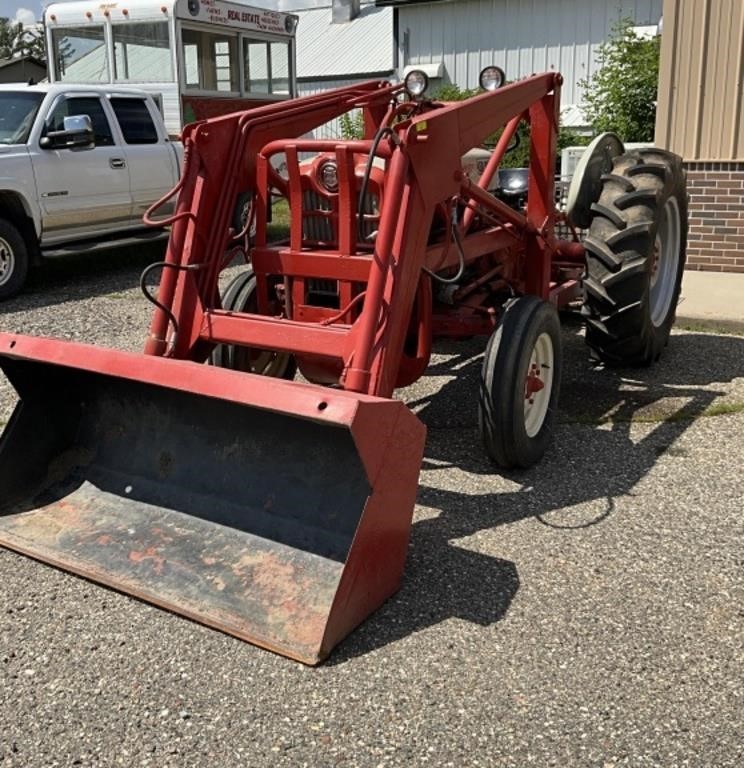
pixel 200 476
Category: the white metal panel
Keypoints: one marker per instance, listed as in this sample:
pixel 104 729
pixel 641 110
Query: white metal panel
pixel 76 12
pixel 332 129
pixel 362 46
pixel 170 101
pixel 521 36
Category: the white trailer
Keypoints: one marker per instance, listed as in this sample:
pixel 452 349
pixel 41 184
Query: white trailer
pixel 198 58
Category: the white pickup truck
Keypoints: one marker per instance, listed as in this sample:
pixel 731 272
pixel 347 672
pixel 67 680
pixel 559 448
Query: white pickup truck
pixel 79 165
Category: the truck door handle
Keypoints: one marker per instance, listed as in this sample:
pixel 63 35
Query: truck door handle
pixel 117 162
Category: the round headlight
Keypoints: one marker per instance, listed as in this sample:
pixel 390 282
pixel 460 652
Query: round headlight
pixel 492 78
pixel 416 83
pixel 328 174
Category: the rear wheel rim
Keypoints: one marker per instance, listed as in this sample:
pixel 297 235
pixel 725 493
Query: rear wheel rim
pixel 538 384
pixel 666 263
pixel 7 261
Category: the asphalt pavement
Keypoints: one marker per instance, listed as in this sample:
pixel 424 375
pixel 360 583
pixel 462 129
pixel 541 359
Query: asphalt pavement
pixel 587 612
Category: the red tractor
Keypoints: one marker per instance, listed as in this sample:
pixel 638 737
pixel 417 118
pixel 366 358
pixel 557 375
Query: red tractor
pixel 280 511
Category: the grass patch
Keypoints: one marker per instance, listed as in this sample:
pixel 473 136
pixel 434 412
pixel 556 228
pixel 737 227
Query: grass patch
pixel 721 409
pixel 278 229
pixel 718 409
pixel 709 328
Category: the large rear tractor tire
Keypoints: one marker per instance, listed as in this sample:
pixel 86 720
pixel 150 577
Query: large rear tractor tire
pixel 240 296
pixel 520 381
pixel 635 256
pixel 14 261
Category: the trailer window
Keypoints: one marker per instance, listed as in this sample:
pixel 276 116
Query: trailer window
pixel 211 61
pixel 142 52
pixel 266 67
pixel 256 56
pixel 80 54
pixel 279 68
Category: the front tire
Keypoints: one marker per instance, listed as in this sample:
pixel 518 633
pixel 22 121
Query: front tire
pixel 13 260
pixel 240 296
pixel 520 381
pixel 635 257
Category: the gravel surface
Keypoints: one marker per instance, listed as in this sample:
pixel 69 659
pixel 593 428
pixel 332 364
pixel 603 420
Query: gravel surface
pixel 588 612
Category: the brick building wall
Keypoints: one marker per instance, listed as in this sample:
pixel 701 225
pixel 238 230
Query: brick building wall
pixel 716 236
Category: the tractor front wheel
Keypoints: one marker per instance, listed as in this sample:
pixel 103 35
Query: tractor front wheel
pixel 635 256
pixel 520 381
pixel 240 296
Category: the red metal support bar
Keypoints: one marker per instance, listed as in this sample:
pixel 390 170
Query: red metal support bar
pixel 178 253
pixel 220 327
pixel 295 197
pixel 315 264
pixel 493 165
pixel 407 260
pixel 544 121
pixel 358 372
pixel 347 200
pixel 357 146
pixel 493 204
pixel 476 245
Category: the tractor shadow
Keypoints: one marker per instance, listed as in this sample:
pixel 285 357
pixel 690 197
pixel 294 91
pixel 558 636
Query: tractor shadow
pixel 593 460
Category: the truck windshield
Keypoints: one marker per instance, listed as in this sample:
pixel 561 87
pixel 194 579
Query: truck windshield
pixel 17 113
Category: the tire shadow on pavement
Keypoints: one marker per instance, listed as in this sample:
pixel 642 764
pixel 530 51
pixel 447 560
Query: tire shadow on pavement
pixel 593 460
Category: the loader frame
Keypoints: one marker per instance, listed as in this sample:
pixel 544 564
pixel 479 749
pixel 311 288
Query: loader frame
pixel 379 337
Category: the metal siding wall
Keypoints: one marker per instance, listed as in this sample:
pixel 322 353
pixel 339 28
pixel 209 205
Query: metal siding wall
pixel 331 129
pixel 522 36
pixel 701 85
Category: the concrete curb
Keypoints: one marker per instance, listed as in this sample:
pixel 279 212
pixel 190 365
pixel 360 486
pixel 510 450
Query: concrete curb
pixel 712 300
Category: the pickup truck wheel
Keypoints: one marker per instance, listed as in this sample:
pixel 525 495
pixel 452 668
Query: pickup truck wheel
pixel 13 260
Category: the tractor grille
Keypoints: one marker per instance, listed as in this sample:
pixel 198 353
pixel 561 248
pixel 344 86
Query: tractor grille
pixel 314 227
pixel 320 228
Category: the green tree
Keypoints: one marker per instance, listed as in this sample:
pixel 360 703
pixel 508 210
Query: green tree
pixel 621 97
pixel 15 40
pixel 31 43
pixel 10 35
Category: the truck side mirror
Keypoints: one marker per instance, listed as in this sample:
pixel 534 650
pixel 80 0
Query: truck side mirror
pixel 77 132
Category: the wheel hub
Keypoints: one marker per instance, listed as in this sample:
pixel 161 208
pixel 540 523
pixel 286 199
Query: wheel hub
pixel 7 261
pixel 538 385
pixel 534 383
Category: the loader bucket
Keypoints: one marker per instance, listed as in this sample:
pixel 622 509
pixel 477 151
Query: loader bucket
pixel 275 511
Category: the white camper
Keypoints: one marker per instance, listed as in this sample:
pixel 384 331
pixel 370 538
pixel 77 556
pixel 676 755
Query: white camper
pixel 198 58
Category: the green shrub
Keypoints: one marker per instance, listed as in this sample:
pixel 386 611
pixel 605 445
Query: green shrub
pixel 621 97
pixel 352 125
